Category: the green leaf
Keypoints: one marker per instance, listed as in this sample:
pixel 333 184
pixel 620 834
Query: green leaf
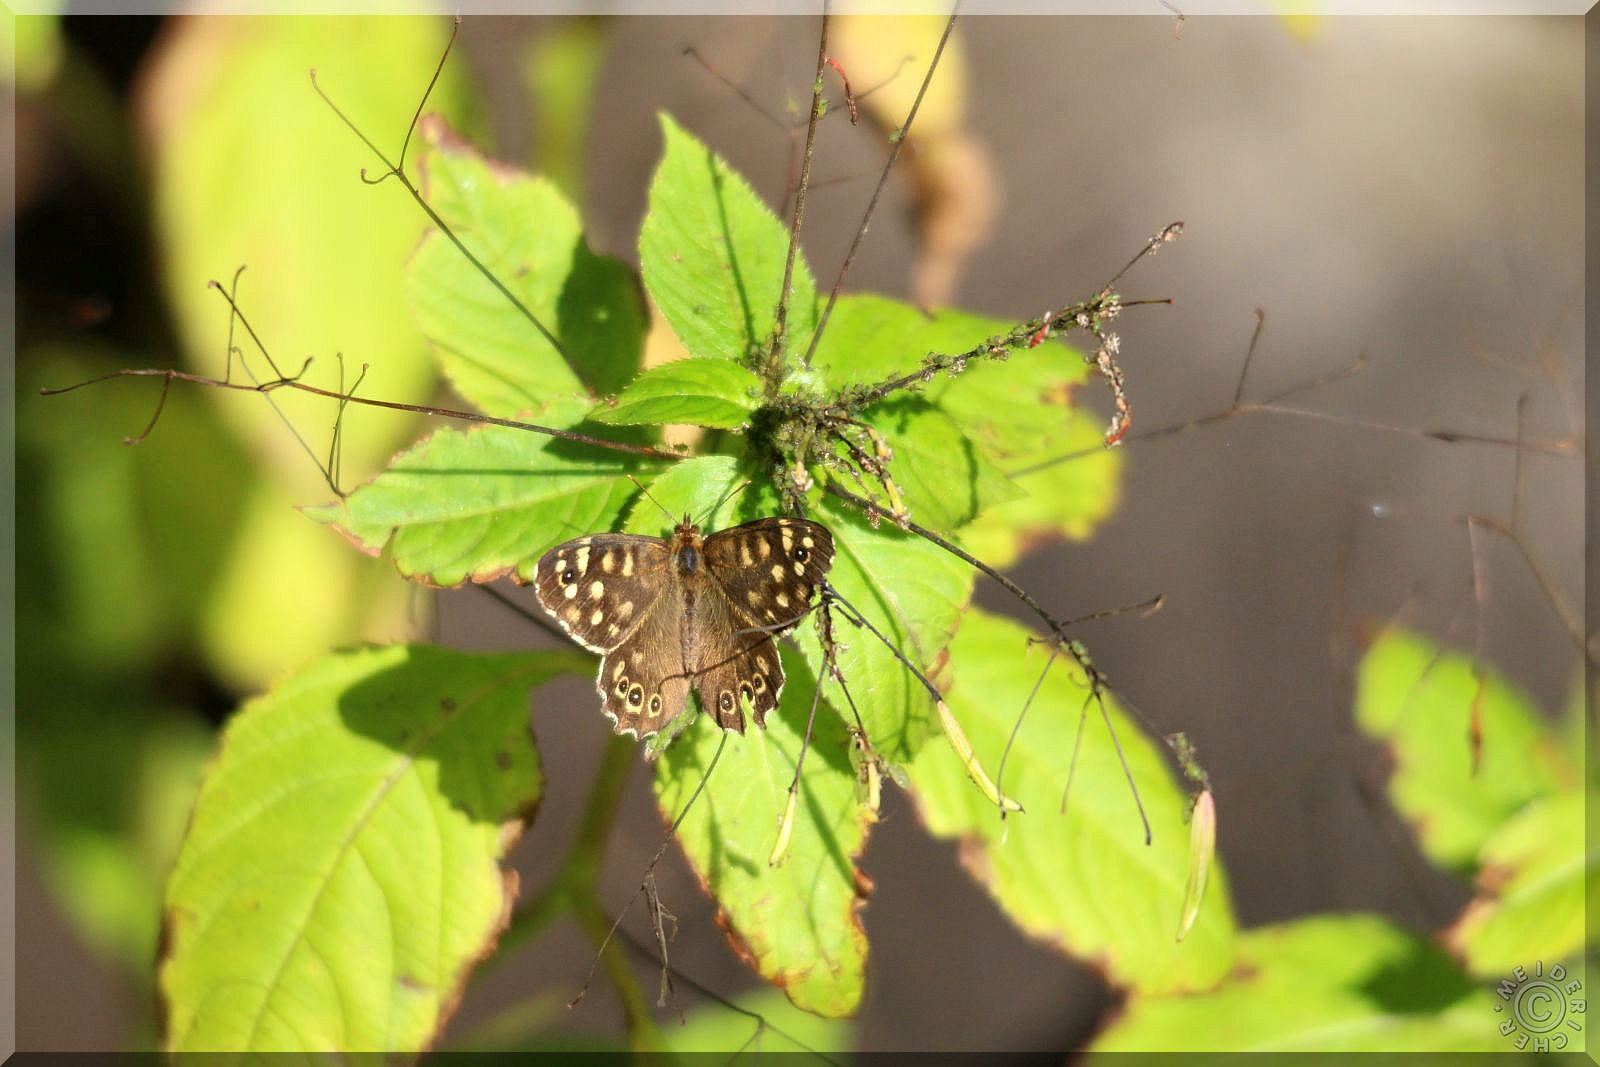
pixel 712 255
pixel 251 167
pixel 913 592
pixel 1001 413
pixel 341 874
pixel 798 923
pixel 872 338
pixel 945 479
pixel 1023 411
pixel 1347 983
pixel 705 488
pixel 1084 881
pixel 697 392
pixel 777 1027
pixel 529 237
pixel 1531 881
pixel 1419 700
pixel 483 503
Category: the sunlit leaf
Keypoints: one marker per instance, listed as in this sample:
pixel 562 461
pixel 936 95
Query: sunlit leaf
pixel 712 254
pixel 1084 881
pixel 697 392
pixel 1025 411
pixel 872 338
pixel 913 593
pixel 1531 883
pixel 524 232
pixel 797 923
pixel 483 503
pixel 943 478
pixel 765 1023
pixel 1004 415
pixel 1347 983
pixel 1420 700
pixel 341 874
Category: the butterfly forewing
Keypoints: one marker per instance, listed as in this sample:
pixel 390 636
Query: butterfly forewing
pixel 769 568
pixel 671 615
pixel 600 587
pixel 764 574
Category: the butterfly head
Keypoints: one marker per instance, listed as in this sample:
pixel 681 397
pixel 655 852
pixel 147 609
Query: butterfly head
pixel 686 553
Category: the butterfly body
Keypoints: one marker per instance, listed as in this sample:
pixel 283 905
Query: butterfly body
pixel 688 612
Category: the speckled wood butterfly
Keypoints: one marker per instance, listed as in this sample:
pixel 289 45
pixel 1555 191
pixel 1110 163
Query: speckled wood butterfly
pixel 670 614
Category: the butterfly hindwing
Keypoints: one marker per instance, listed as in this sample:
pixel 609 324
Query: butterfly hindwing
pixel 736 662
pixel 643 682
pixel 599 587
pixel 765 573
pixel 674 614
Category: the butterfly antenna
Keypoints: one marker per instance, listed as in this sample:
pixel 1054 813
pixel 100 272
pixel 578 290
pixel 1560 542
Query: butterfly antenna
pixel 723 500
pixel 671 518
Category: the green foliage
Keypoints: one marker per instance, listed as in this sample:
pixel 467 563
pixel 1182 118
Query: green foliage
pixel 345 851
pixel 712 254
pixel 342 871
pixel 698 392
pixel 1351 983
pixel 1083 880
pixel 1532 875
pixel 978 426
pixel 481 503
pixel 714 1029
pixel 797 922
pixel 528 236
pixel 1420 700
pixel 1515 822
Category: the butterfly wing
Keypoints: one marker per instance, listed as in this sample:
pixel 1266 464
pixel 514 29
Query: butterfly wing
pixel 734 665
pixel 770 568
pixel 764 575
pixel 644 682
pixel 601 587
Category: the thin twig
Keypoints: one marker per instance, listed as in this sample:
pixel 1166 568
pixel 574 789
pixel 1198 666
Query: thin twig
pixel 392 169
pixel 666 841
pixel 392 405
pixel 896 141
pixel 780 341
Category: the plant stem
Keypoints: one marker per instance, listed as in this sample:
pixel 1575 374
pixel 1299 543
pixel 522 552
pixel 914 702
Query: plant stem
pixel 575 889
pixel 780 341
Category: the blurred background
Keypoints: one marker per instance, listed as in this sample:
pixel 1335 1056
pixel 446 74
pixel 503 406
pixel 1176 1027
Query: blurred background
pixel 1405 190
